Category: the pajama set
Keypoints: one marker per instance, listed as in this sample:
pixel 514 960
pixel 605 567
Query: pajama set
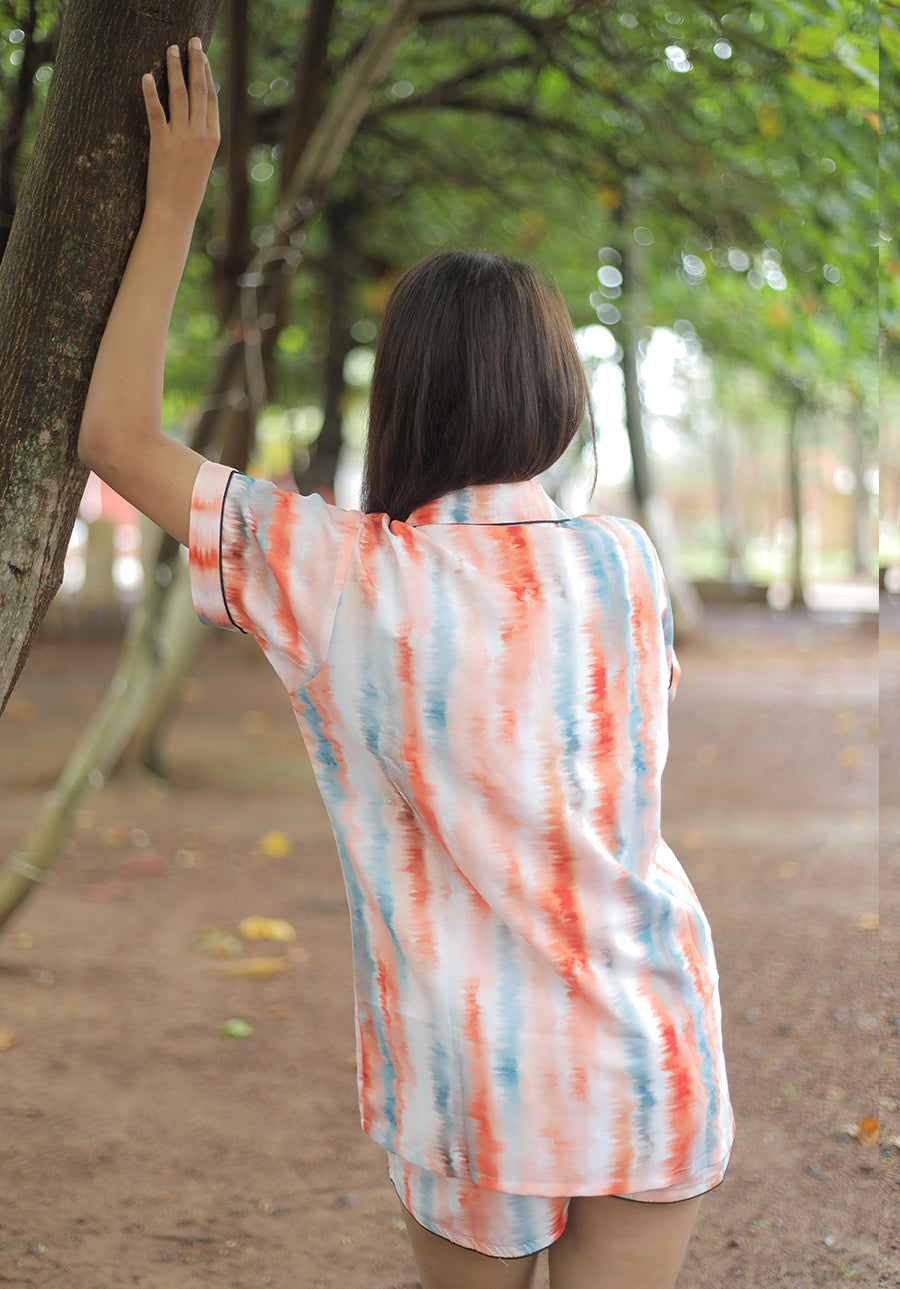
pixel 483 692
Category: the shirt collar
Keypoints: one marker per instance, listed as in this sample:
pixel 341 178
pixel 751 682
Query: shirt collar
pixel 490 503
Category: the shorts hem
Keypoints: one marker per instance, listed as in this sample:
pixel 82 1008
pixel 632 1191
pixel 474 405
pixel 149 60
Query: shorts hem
pixel 493 1251
pixel 675 1194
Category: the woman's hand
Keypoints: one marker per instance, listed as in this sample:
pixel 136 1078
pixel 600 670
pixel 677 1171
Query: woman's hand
pixel 182 148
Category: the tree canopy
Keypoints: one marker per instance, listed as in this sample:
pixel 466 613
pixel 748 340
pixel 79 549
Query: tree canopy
pixel 732 154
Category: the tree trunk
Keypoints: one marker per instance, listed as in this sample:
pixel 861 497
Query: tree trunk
pixel 795 494
pixel 641 484
pixel 94 758
pixel 312 73
pixel 130 694
pixel 862 519
pixel 725 463
pixel 324 453
pixel 236 145
pixel 652 510
pixel 77 214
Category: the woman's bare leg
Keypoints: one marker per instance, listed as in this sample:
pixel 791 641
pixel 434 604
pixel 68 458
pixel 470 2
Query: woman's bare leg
pixel 443 1265
pixel 612 1243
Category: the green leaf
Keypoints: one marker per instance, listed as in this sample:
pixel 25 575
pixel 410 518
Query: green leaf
pixel 812 41
pixel 817 94
pixel 236 1028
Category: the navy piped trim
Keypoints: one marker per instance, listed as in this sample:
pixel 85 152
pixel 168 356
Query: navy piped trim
pixel 221 572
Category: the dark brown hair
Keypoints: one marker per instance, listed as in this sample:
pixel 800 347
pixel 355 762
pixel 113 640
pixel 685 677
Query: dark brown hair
pixel 476 380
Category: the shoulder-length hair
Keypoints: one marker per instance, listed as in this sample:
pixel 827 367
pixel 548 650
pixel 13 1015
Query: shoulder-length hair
pixel 476 380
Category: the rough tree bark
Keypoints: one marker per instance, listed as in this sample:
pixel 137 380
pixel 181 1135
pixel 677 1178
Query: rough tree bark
pixel 76 217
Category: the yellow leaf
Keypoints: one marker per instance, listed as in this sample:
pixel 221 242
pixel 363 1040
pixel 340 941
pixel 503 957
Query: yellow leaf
pixel 253 968
pixel 865 1131
pixel 868 1131
pixel 7 1040
pixel 259 928
pixel 275 845
pixel 770 120
pixel 868 922
pixel 850 756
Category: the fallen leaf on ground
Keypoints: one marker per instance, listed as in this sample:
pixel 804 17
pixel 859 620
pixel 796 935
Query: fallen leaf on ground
pixel 254 968
pixel 7 1040
pixel 865 1132
pixel 275 844
pixel 868 1131
pixel 145 864
pixel 237 1028
pixel 869 922
pixel 260 928
pixel 850 756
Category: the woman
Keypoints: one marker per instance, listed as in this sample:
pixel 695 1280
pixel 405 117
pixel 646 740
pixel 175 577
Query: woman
pixel 482 685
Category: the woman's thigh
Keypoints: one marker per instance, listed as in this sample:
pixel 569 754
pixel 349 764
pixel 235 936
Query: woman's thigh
pixel 612 1243
pixel 443 1265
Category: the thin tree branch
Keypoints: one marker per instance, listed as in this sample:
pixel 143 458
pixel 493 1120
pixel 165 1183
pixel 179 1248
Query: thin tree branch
pixel 311 73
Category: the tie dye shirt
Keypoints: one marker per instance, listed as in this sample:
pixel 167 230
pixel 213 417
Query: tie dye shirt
pixel 483 691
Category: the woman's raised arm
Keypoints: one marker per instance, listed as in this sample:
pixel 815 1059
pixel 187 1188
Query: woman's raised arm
pixel 121 438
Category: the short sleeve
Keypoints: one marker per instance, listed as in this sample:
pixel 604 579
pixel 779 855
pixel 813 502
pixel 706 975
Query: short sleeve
pixel 668 623
pixel 270 563
pixel 653 566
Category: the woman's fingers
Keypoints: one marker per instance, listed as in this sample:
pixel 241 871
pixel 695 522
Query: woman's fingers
pixel 212 101
pixel 156 117
pixel 178 95
pixel 192 103
pixel 197 77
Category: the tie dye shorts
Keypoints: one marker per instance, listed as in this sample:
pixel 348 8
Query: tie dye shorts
pixel 492 1222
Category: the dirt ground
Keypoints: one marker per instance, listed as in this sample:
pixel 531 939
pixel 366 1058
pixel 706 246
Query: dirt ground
pixel 141 1145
